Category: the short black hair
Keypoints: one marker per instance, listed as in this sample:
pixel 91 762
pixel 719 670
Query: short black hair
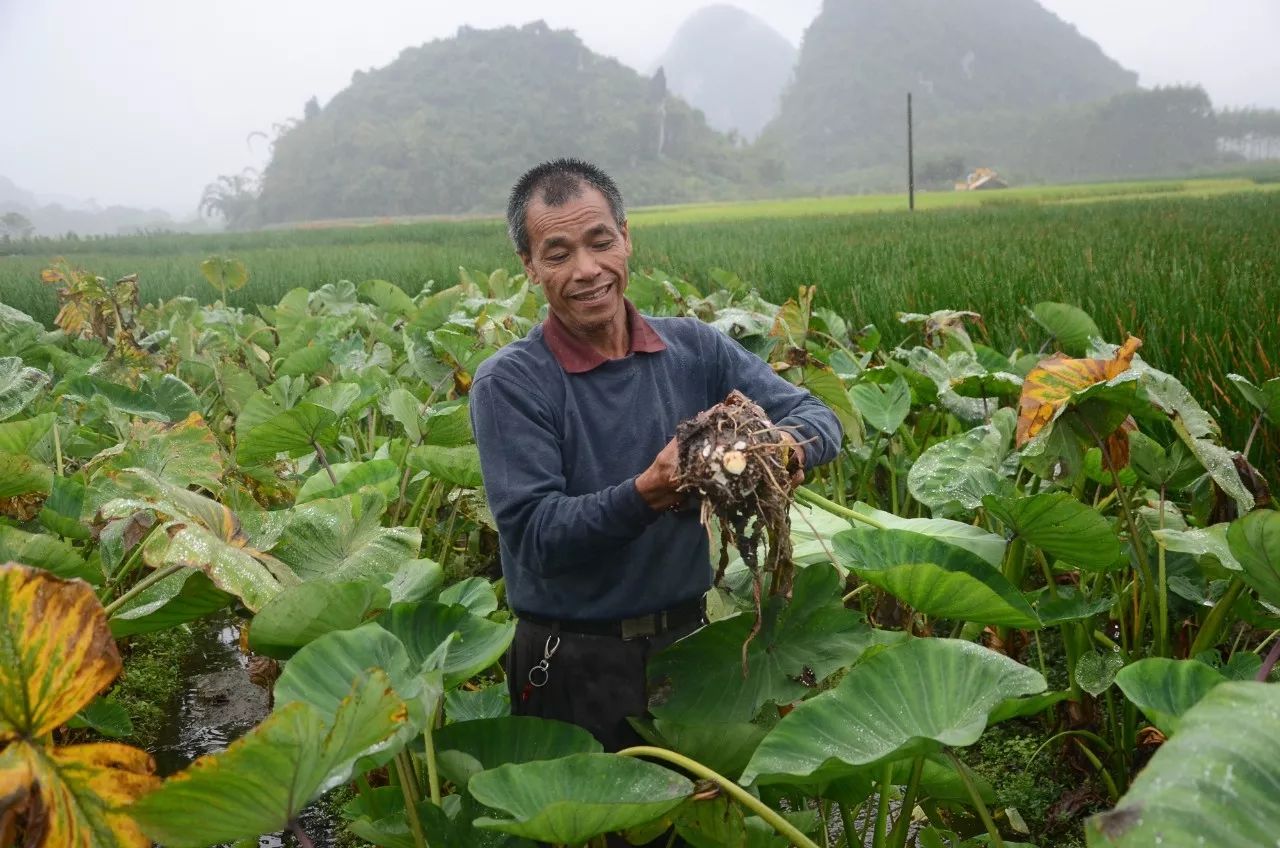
pixel 557 181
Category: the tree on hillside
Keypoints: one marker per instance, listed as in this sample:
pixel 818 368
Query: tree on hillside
pixel 16 225
pixel 234 197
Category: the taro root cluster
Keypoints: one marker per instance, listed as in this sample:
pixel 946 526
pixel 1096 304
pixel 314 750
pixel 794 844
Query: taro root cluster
pixel 735 458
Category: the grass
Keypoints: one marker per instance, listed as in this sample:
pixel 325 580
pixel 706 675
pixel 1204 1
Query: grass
pixel 152 678
pixel 1190 267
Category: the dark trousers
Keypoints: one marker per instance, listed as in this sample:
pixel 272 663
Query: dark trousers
pixel 592 681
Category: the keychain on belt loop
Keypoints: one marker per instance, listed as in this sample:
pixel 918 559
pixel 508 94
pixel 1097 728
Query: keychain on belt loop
pixel 540 673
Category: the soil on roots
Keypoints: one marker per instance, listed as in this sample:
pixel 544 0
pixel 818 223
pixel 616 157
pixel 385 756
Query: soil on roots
pixel 735 458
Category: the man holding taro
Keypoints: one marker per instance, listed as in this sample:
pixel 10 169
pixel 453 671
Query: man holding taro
pixel 605 563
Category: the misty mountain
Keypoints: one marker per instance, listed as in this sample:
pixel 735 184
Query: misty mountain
pixel 59 215
pixel 448 127
pixel 731 65
pixel 14 198
pixel 967 62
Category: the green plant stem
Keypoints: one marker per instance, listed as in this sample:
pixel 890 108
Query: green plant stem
pixel 1104 640
pixel 978 803
pixel 57 446
pixel 1049 582
pixel 1273 656
pixel 1113 793
pixel 1208 635
pixel 427 483
pixel 846 822
pixel 869 464
pixel 142 585
pixel 409 787
pixel 855 593
pixel 742 796
pixel 882 807
pixel 812 498
pixel 1162 594
pixel 324 462
pixel 433 775
pixel 898 836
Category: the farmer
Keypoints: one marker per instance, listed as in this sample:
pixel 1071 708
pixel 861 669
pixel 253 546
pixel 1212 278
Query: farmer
pixel 605 562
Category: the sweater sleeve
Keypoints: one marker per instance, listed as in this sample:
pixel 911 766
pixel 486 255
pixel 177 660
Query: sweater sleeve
pixel 811 421
pixel 543 527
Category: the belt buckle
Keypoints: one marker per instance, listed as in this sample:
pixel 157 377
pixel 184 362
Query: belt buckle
pixel 639 627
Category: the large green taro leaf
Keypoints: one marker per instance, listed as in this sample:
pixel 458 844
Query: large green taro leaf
pixel 572 799
pixel 883 406
pixel 183 596
pixel 43 551
pixel 1255 543
pixel 812 529
pixel 1213 783
pixel 321 672
pixel 813 635
pixel 474 593
pixel 458 466
pixel 203 534
pixel 343 539
pixel 424 627
pixel 1062 527
pixel 934 577
pixel 382 474
pixel 20 474
pixel 185 454
pixel 231 567
pixel 19 385
pixel 292 432
pixel 22 435
pixel 1164 689
pixel 263 780
pixel 722 747
pixel 1264 398
pixel 1070 325
pixel 954 475
pixel 160 397
pixel 467 748
pixel 1200 542
pixel 1198 431
pixel 984 543
pixel 309 610
pixel 905 700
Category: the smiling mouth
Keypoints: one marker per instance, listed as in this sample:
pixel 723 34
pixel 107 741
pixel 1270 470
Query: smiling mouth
pixel 594 295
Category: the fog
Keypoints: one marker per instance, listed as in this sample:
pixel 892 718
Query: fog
pixel 143 102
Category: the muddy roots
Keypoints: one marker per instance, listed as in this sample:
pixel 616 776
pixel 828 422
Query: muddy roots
pixel 735 458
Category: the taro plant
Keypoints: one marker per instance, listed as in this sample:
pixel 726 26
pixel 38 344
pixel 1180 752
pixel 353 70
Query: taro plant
pixel 56 654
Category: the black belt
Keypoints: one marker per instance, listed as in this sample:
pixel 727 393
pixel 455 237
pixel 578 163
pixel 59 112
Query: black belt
pixel 652 624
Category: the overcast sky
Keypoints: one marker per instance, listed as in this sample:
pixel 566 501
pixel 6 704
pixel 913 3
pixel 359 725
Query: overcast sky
pixel 143 102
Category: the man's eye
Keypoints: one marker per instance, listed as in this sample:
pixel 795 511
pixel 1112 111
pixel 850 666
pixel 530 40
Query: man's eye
pixel 557 257
pixel 603 245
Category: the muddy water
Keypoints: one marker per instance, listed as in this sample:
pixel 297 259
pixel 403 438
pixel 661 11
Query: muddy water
pixel 216 706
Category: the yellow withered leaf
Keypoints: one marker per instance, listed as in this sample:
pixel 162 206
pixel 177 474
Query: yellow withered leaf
pixel 1052 383
pixel 76 797
pixel 56 650
pixel 56 653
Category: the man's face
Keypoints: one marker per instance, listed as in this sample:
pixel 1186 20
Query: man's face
pixel 578 254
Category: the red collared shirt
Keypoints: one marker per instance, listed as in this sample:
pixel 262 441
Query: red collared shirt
pixel 577 357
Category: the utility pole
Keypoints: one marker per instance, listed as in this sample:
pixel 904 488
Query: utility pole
pixel 911 163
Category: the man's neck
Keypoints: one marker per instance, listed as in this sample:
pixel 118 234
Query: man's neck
pixel 612 340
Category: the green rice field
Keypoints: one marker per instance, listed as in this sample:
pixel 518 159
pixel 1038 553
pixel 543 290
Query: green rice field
pixel 1192 268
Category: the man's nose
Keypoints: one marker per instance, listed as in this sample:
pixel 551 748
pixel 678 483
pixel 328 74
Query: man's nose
pixel 585 266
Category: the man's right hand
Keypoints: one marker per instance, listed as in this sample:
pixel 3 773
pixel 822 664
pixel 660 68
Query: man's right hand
pixel 657 483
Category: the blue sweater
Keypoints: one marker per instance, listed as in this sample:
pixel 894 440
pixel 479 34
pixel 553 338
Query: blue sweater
pixel 560 453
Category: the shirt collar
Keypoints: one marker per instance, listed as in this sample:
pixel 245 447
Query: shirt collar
pixel 577 357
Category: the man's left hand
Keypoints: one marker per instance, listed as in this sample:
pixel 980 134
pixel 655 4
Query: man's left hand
pixel 795 458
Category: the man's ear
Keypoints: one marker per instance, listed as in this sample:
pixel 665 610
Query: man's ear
pixel 526 259
pixel 626 236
